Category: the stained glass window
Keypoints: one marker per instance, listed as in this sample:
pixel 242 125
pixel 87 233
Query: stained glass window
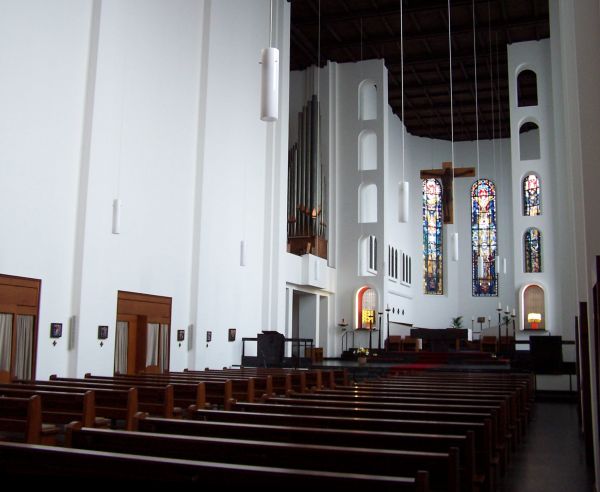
pixel 432 236
pixel 483 237
pixel 531 195
pixel 533 250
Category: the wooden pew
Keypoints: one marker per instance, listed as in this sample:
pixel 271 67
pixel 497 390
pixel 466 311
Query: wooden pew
pixel 152 398
pixel 32 464
pixel 60 407
pixel 314 435
pixel 116 404
pixel 442 467
pixel 481 430
pixel 21 419
pixel 217 391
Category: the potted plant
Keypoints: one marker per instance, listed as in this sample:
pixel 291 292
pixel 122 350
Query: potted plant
pixel 457 322
pixel 361 354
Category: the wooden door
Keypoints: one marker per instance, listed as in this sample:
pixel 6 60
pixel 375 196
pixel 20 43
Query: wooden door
pixel 147 346
pixel 19 306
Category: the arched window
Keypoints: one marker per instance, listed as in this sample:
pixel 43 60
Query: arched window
pixel 366 308
pixel 367 248
pixel 527 88
pixel 432 237
pixel 531 195
pixel 533 250
pixel 529 141
pixel 483 237
pixel 367 100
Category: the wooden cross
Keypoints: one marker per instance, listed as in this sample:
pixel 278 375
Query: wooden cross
pixel 446 175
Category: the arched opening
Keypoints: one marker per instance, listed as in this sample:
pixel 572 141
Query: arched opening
pixel 527 88
pixel 529 141
pixel 367 100
pixel 366 307
pixel 367 151
pixel 531 195
pixel 367 203
pixel 533 307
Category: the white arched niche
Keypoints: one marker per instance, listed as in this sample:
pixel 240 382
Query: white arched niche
pixel 529 141
pixel 367 151
pixel 367 100
pixel 367 203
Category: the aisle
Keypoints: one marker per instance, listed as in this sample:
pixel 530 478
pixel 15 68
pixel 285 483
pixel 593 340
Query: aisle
pixel 552 459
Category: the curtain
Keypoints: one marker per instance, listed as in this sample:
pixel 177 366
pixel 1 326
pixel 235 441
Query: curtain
pixel 164 348
pixel 24 352
pixel 5 340
pixel 121 344
pixel 152 344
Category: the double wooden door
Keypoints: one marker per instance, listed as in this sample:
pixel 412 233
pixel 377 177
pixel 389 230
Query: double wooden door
pixel 142 333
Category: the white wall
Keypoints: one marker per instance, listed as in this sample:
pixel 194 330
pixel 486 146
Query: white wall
pixel 494 163
pixel 43 67
pixel 155 103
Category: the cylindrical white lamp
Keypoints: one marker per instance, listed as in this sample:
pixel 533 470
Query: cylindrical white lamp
pixel 454 243
pixel 497 265
pixel 504 265
pixel 404 193
pixel 480 266
pixel 116 217
pixel 269 87
pixel 242 253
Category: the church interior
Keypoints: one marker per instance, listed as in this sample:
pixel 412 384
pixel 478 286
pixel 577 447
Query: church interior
pixel 365 227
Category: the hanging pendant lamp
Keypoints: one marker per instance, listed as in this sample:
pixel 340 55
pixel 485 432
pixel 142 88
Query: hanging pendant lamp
pixel 269 83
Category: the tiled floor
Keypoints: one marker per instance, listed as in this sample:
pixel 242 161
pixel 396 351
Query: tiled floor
pixel 552 458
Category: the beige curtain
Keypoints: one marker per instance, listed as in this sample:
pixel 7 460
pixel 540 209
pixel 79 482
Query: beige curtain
pixel 121 344
pixel 152 344
pixel 5 340
pixel 24 349
pixel 164 348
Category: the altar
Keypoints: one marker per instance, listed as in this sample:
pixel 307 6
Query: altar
pixel 441 340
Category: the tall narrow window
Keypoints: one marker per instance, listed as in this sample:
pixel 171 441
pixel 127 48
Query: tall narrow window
pixel 432 236
pixel 372 254
pixel 533 250
pixel 531 195
pixel 483 237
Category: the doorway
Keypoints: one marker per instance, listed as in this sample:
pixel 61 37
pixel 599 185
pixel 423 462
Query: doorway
pixel 143 333
pixel 19 308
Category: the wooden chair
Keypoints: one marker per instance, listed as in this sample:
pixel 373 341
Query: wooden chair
pixel 488 344
pixel 410 344
pixel 394 343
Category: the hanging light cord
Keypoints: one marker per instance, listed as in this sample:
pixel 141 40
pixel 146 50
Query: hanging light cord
pixel 492 91
pixel 271 24
pixel 476 94
pixel 402 82
pixel 451 100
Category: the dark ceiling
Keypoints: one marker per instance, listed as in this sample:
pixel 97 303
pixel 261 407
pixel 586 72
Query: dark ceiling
pixel 354 30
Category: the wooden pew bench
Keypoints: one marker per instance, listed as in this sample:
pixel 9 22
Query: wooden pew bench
pixel 31 464
pixel 21 420
pixel 442 467
pixel 481 430
pixel 117 405
pixel 335 437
